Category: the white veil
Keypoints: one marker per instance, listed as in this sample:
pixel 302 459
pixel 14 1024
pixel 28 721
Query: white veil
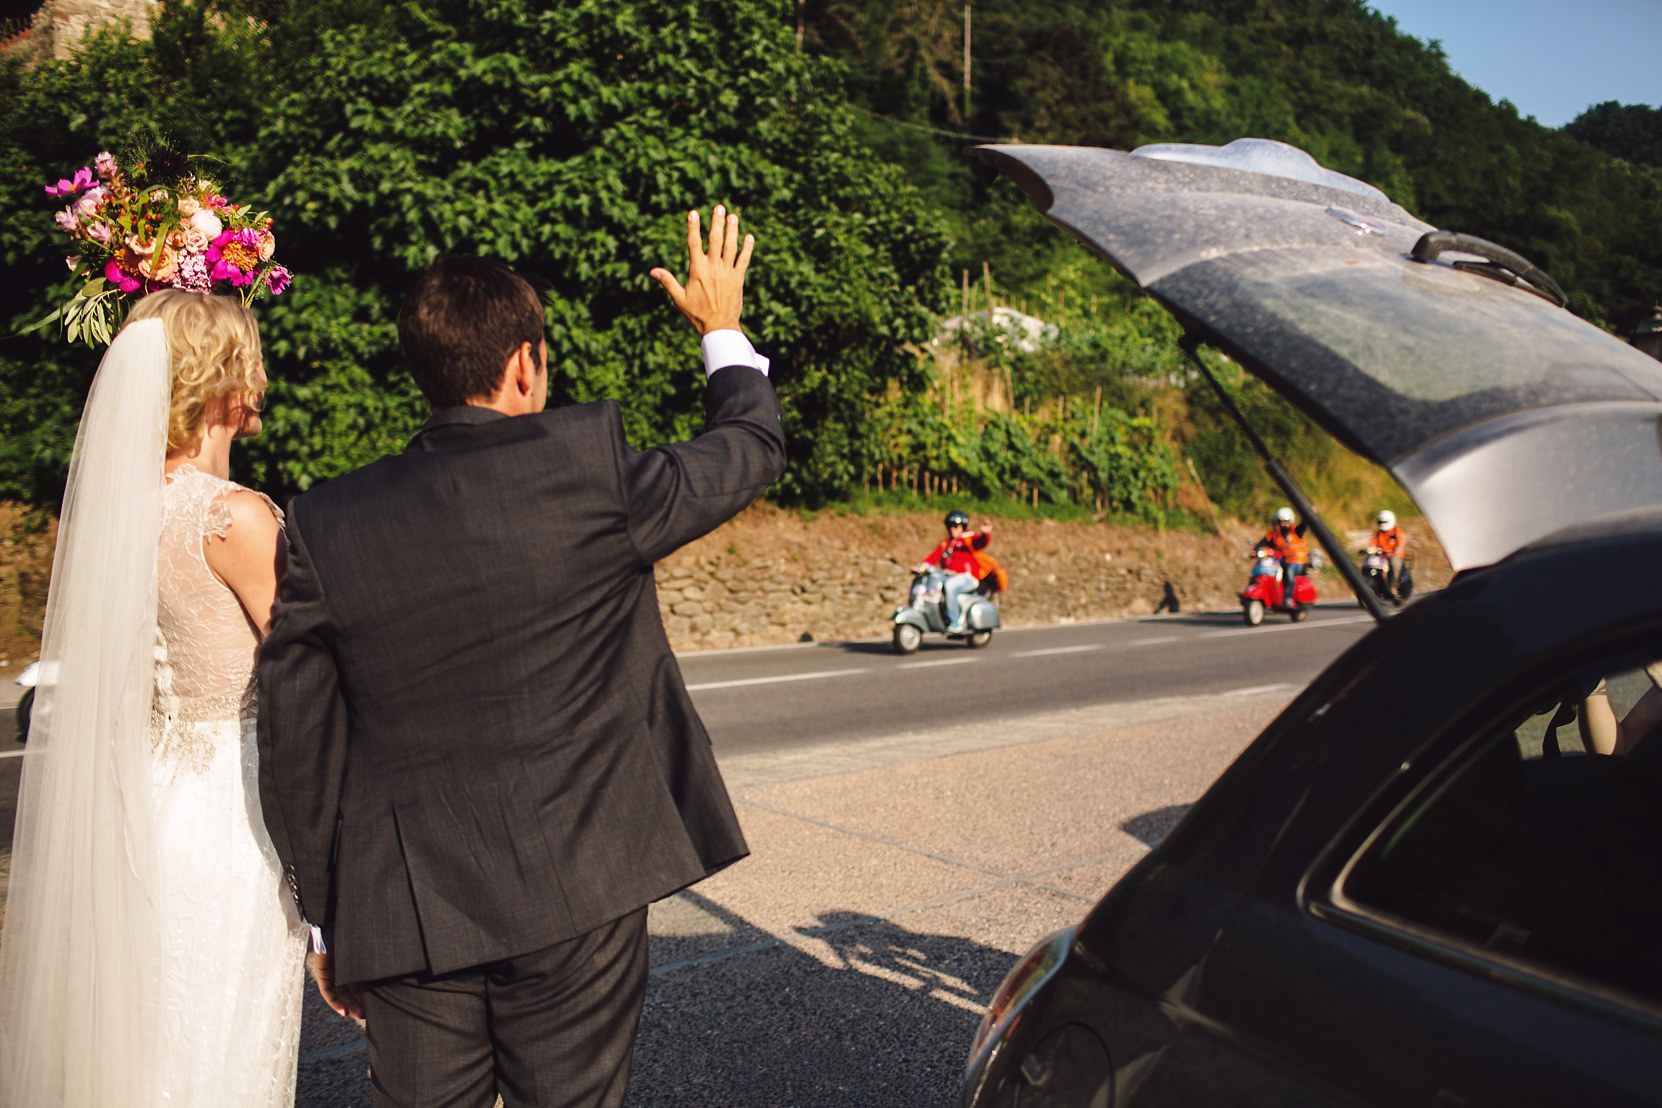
pixel 79 950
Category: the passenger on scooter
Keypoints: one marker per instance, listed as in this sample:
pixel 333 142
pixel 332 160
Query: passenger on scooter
pixel 1392 542
pixel 1288 543
pixel 956 558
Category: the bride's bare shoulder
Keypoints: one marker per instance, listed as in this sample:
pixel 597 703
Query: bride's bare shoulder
pixel 248 554
pixel 249 517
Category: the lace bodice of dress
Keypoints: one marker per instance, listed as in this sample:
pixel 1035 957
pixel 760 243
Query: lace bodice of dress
pixel 205 642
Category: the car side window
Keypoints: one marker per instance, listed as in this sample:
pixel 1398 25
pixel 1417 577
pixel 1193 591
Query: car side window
pixel 1543 841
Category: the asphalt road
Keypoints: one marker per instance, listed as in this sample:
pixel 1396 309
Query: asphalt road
pixel 764 700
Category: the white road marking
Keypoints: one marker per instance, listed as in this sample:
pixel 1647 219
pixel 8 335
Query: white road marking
pixel 775 680
pixel 1152 642
pixel 938 662
pixel 12 753
pixel 1057 650
pixel 1252 690
pixel 1283 627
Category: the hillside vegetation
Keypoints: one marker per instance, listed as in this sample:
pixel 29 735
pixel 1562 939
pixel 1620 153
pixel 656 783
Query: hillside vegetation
pixel 566 139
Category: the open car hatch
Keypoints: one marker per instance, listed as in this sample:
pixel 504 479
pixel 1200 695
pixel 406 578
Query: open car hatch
pixel 1503 415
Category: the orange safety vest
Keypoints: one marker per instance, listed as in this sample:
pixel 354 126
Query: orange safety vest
pixel 1392 542
pixel 1289 545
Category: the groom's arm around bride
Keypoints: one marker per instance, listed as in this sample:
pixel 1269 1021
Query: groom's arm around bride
pixel 478 760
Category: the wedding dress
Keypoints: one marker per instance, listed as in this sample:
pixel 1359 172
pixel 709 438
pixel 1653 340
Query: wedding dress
pixel 149 954
pixel 233 949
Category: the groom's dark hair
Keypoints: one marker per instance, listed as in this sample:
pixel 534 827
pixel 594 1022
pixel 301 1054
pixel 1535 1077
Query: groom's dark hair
pixel 460 323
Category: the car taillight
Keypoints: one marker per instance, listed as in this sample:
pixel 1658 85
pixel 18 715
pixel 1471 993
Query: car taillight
pixel 1035 968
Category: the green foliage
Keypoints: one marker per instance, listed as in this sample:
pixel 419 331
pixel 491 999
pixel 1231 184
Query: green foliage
pixel 1083 429
pixel 1340 483
pixel 1632 132
pixel 566 140
pixel 1331 76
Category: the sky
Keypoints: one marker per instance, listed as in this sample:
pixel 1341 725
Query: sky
pixel 1552 59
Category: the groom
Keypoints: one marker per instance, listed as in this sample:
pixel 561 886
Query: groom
pixel 478 761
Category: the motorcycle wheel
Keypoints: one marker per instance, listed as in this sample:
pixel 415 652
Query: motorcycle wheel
pixel 24 707
pixel 1253 612
pixel 979 639
pixel 1300 613
pixel 906 638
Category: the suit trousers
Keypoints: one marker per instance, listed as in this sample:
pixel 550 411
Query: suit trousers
pixel 555 1027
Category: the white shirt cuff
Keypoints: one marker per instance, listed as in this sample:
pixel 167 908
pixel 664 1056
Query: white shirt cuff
pixel 729 347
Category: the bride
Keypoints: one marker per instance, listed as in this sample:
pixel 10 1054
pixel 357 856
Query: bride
pixel 150 953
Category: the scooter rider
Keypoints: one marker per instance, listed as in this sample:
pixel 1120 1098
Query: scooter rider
pixel 1392 541
pixel 955 556
pixel 1288 543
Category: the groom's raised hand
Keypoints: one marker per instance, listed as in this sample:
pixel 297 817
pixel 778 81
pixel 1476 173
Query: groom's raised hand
pixel 713 296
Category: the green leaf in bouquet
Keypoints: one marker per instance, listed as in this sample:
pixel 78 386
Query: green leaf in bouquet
pixel 57 314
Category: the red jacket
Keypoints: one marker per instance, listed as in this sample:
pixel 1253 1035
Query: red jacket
pixel 955 555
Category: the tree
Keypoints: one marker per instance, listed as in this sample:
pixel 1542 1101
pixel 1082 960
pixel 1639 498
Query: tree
pixel 1632 132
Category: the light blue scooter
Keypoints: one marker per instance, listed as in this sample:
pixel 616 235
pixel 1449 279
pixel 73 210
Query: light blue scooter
pixel 925 611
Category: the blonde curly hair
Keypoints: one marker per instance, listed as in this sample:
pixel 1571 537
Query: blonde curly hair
pixel 214 351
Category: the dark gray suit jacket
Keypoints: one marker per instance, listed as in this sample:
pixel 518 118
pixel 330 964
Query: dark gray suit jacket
pixel 474 740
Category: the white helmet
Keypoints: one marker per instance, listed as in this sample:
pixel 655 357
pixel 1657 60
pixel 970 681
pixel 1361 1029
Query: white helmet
pixel 1387 520
pixel 1284 515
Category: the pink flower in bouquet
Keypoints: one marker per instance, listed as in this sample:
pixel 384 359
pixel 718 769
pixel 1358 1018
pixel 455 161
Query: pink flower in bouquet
pixel 268 245
pixel 67 186
pixel 123 276
pixel 192 275
pixel 277 279
pixel 208 223
pixel 196 240
pixel 104 163
pixel 235 255
pixel 91 200
pixel 188 206
pixel 66 219
pixel 99 233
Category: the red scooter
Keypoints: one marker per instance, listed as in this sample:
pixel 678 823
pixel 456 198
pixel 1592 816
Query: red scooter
pixel 1265 591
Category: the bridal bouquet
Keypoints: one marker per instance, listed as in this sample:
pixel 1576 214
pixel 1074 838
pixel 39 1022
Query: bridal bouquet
pixel 156 226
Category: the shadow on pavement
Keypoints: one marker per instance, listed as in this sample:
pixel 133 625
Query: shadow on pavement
pixel 933 641
pixel 865 1012
pixel 861 647
pixel 1150 827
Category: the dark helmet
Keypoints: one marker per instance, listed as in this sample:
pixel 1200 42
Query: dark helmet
pixel 957 517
